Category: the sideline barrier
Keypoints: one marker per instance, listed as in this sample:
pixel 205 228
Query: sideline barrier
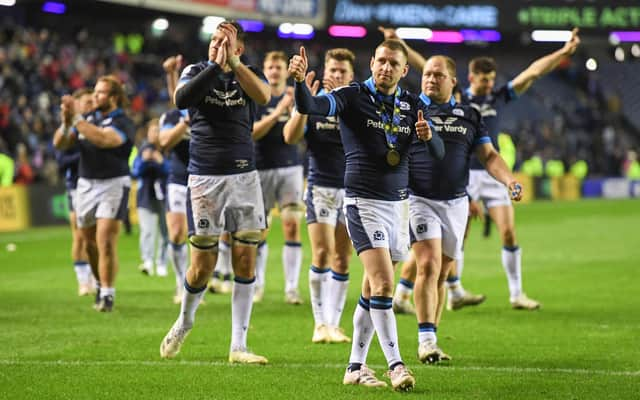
pixel 611 188
pixel 566 187
pixel 14 208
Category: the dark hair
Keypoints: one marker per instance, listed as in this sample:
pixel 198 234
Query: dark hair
pixel 81 92
pixel 242 35
pixel 116 89
pixel 341 54
pixel 395 45
pixel 482 65
pixel 450 63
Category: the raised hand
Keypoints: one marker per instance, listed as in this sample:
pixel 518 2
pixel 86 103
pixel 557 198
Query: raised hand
pixel 311 84
pixel 170 64
pixel 423 131
pixel 572 44
pixel 231 33
pixel 221 54
pixel 67 108
pixel 328 83
pixel 389 33
pixel 286 102
pixel 515 191
pixel 298 65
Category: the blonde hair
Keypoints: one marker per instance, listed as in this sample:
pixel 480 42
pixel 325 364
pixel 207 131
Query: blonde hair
pixel 340 54
pixel 277 56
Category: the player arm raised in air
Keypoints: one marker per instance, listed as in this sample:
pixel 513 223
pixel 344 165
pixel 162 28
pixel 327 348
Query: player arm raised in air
pixel 544 65
pixel 191 88
pixel 293 130
pixel 105 137
pixel 252 85
pixel 171 66
pixel 63 138
pixel 306 103
pixel 262 127
pixel 415 59
pixel 496 167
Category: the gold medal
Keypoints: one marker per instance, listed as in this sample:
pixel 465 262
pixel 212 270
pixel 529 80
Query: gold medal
pixel 393 157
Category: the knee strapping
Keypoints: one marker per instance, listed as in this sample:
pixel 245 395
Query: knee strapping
pixel 249 238
pixel 204 242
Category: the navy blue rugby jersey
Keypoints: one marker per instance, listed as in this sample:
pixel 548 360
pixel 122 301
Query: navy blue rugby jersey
pixel 271 149
pixel 325 151
pixel 179 154
pixel 68 163
pixel 367 173
pixel 488 107
pixel 221 125
pixel 461 129
pixel 152 178
pixel 104 163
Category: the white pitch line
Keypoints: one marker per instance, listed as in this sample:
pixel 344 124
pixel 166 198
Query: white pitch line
pixel 169 363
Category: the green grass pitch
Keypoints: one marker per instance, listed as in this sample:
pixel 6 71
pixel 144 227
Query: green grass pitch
pixel 581 259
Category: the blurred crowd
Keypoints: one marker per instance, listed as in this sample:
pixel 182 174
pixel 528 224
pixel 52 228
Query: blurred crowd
pixel 581 120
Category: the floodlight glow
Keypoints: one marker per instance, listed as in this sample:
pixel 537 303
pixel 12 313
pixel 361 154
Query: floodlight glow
pixel 210 23
pixel 619 54
pixel 471 35
pixel 7 3
pixel 250 25
pixel 446 37
pixel 614 40
pixel 160 24
pixel 414 33
pixel 591 64
pixel 53 7
pixel 288 30
pixel 625 36
pixel 550 36
pixel 635 50
pixel 352 31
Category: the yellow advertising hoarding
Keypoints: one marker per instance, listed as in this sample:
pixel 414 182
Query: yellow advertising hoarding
pixel 14 208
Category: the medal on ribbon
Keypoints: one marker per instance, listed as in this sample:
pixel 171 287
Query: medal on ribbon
pixel 390 122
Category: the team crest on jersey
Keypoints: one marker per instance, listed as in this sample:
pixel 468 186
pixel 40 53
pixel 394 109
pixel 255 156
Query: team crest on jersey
pixel 378 235
pixel 225 95
pixel 106 122
pixel 446 121
pixel 421 228
pixel 203 223
pixel 324 212
pixel 459 112
pixel 404 106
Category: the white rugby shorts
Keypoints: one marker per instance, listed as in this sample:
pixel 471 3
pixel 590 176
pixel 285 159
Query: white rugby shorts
pixel 484 187
pixel 378 223
pixel 439 219
pixel 282 185
pixel 101 198
pixel 324 205
pixel 230 203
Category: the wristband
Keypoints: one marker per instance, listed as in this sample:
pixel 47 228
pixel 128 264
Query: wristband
pixel 77 118
pixel 234 62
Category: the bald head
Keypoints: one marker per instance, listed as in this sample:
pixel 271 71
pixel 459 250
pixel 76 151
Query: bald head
pixel 439 78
